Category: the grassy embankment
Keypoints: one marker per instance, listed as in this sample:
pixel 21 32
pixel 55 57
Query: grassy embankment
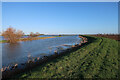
pixel 28 39
pixel 97 59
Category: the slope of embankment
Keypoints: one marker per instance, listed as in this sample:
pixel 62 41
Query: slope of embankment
pixel 96 59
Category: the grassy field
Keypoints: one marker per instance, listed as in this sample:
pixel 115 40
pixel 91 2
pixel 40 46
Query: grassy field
pixel 97 59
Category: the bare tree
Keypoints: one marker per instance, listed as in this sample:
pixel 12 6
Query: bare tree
pixel 37 34
pixel 19 34
pixel 31 34
pixel 12 35
pixel 34 34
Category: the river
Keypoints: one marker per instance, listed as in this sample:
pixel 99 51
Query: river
pixel 19 52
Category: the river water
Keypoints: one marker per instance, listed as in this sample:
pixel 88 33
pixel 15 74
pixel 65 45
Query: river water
pixel 19 52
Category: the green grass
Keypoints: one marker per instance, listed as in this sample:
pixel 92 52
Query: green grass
pixel 3 41
pixel 97 59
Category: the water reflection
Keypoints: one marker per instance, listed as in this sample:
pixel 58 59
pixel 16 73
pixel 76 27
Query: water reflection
pixel 14 49
pixel 11 52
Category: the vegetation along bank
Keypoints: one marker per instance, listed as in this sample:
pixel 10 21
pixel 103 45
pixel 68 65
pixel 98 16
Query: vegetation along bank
pixel 98 58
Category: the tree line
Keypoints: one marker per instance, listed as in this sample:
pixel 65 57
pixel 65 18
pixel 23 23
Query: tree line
pixel 12 35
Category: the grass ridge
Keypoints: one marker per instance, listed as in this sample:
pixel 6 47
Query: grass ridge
pixel 97 59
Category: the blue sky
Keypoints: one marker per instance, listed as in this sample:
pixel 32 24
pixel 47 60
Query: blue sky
pixel 61 18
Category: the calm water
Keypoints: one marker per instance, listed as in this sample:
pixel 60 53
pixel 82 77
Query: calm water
pixel 18 53
pixel 39 36
pixel 2 38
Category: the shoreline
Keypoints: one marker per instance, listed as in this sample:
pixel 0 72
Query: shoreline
pixel 30 39
pixel 84 62
pixel 8 72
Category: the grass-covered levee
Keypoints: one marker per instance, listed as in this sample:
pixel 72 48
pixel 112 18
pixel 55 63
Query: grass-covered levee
pixel 96 59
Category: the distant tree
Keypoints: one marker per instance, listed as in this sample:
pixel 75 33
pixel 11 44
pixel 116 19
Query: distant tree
pixel 12 35
pixel 34 34
pixel 31 34
pixel 37 33
pixel 60 35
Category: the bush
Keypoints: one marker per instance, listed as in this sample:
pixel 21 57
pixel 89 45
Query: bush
pixel 12 35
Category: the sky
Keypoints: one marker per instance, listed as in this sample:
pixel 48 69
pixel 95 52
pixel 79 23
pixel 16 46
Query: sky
pixel 61 17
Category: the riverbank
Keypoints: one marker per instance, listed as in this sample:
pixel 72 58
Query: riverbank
pixel 3 41
pixel 94 59
pixel 30 39
pixel 10 69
